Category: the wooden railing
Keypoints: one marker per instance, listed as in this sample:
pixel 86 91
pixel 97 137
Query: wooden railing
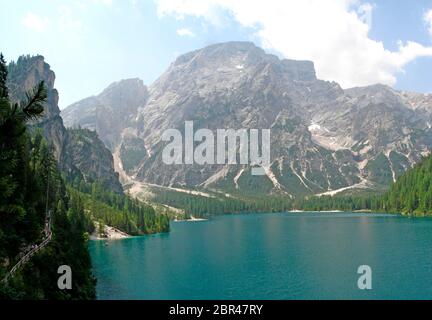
pixel 26 258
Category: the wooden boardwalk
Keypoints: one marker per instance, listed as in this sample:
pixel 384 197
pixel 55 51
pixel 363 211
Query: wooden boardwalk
pixel 26 258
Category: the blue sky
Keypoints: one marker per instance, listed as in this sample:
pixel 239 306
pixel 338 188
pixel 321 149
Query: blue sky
pixel 92 43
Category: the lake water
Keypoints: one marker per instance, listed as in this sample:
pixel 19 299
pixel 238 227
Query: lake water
pixel 271 256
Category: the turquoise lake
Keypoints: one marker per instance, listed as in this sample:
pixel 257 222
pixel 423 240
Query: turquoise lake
pixel 271 256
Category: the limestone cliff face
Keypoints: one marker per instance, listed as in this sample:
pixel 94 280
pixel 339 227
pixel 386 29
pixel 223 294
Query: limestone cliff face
pixel 94 160
pixel 24 75
pixel 109 113
pixel 324 138
pixel 70 149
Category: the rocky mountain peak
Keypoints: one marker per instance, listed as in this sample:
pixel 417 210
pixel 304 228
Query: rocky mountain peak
pixel 239 61
pixel 324 139
pixel 300 70
pixel 26 73
pixel 110 112
pixel 220 51
pixel 125 89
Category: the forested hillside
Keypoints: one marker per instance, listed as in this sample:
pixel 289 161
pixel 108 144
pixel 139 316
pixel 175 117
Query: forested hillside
pixel 30 187
pixel 84 160
pixel 92 160
pixel 46 170
pixel 412 193
pixel 118 210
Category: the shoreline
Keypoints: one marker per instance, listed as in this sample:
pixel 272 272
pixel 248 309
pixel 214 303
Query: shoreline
pixel 314 211
pixel 191 219
pixel 114 234
pixel 110 233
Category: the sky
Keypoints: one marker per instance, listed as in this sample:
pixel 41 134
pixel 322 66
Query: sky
pixel 92 43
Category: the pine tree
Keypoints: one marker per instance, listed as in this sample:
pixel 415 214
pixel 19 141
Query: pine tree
pixel 3 77
pixel 27 168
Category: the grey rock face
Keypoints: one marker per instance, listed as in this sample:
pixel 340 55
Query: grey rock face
pixel 94 161
pixel 323 139
pixel 110 112
pixel 78 153
pixel 23 76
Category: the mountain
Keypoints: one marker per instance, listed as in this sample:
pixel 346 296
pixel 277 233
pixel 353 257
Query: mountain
pixel 82 155
pixel 324 139
pixel 109 113
pixel 94 161
pixel 24 75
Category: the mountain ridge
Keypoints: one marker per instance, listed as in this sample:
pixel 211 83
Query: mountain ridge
pixel 324 138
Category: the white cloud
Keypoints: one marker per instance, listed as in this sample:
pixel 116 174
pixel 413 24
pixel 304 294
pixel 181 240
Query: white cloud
pixel 332 33
pixel 428 19
pixel 185 32
pixel 67 21
pixel 35 22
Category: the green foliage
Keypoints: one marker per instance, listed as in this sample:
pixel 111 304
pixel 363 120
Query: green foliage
pixel 30 186
pixel 19 205
pixel 200 206
pixel 254 184
pixel 17 72
pixel 118 210
pixel 412 193
pixel 399 163
pixel 342 203
pixel 38 279
pixel 132 154
pixel 92 160
pixel 379 170
pixel 3 77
